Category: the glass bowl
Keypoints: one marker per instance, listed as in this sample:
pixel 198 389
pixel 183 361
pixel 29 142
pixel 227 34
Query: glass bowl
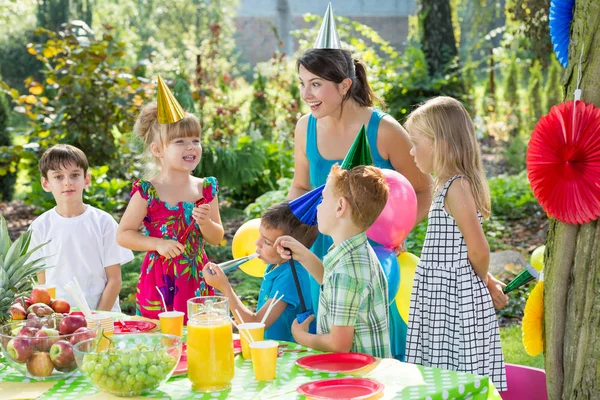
pixel 37 349
pixel 131 364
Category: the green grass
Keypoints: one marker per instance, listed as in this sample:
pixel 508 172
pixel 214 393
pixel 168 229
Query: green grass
pixel 514 352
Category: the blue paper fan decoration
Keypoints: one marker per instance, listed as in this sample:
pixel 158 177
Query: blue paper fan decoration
pixel 305 206
pixel 561 15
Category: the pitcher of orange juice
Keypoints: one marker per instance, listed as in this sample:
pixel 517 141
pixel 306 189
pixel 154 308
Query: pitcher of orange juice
pixel 209 343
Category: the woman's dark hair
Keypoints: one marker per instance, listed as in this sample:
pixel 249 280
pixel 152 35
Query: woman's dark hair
pixel 335 65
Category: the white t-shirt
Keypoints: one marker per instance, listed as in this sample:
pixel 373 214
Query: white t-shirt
pixel 81 247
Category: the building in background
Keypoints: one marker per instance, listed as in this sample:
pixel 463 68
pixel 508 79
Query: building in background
pixel 256 19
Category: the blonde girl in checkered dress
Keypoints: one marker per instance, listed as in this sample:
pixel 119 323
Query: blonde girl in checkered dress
pixel 452 323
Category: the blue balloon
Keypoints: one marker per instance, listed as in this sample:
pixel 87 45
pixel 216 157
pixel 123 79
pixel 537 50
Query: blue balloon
pixel 391 269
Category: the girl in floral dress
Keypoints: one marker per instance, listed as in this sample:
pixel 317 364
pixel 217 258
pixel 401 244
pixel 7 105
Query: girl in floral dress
pixel 167 204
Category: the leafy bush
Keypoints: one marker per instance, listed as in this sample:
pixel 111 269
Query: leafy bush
pixel 130 276
pixel 512 197
pixel 8 173
pixel 256 209
pixel 86 98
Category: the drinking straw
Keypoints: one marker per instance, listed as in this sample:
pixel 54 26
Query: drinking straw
pixel 162 297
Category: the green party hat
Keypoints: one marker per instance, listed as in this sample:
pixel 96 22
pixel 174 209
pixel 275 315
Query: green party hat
pixel 360 151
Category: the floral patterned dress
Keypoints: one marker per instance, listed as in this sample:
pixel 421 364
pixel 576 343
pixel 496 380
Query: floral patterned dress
pixel 179 278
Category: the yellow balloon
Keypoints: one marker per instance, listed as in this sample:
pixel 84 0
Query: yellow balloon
pixel 408 265
pixel 537 258
pixel 244 244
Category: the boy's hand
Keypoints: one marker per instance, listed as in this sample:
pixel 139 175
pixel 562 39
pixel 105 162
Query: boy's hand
pixel 169 248
pixel 285 244
pixel 298 329
pixel 201 214
pixel 215 277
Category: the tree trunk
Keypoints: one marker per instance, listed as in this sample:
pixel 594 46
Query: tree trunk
pixel 572 270
pixel 437 35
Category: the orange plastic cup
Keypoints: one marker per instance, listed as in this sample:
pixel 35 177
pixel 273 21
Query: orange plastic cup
pixel 256 331
pixel 171 322
pixel 264 359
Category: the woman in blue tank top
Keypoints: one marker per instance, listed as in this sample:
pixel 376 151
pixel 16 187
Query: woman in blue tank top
pixel 336 88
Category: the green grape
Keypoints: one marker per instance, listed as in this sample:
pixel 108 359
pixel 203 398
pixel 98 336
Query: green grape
pixel 105 361
pixel 133 370
pixel 133 360
pixel 125 359
pixel 138 386
pixel 91 366
pixel 130 380
pixel 87 358
pixel 142 360
pixel 112 370
pixel 140 377
pixel 96 376
pixel 117 366
pixel 109 383
pixel 153 370
pixel 99 368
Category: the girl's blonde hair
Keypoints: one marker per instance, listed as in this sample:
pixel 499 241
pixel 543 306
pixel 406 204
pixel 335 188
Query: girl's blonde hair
pixel 455 149
pixel 150 131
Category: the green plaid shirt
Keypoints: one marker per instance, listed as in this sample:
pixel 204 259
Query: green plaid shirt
pixel 354 293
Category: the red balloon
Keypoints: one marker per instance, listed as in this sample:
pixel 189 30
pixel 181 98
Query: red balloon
pixel 400 213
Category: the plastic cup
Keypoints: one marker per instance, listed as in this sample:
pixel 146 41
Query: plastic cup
pixel 171 322
pixel 256 331
pixel 264 359
pixel 107 327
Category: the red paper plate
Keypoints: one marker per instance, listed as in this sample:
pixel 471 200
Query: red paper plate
pixel 335 362
pixel 342 388
pixel 133 326
pixel 182 366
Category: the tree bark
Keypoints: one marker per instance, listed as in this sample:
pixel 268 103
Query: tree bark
pixel 572 270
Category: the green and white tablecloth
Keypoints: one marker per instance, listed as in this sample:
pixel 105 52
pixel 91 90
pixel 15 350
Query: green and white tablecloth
pixel 397 378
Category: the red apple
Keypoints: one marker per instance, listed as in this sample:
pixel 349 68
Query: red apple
pixel 82 334
pixel 20 348
pixel 45 338
pixel 70 324
pixel 23 301
pixel 28 331
pixel 17 312
pixel 40 295
pixel 60 306
pixel 39 364
pixel 61 354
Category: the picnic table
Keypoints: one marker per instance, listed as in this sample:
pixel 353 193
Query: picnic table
pixel 401 380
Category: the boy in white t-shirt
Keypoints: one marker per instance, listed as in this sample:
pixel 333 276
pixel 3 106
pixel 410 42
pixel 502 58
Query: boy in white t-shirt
pixel 82 238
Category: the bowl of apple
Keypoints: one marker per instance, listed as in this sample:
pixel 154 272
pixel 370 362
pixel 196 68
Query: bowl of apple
pixel 42 348
pixel 129 365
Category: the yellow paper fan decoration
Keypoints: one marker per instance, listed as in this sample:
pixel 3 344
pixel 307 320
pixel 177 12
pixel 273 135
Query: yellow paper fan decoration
pixel 169 110
pixel 533 321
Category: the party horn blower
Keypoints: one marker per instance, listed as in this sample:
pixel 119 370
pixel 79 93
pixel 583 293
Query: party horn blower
pixel 305 313
pixel 228 266
pixel 526 276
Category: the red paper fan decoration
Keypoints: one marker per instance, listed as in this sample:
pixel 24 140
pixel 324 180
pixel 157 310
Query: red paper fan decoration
pixel 563 162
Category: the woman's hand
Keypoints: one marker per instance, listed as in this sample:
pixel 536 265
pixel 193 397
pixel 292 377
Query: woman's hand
pixel 169 248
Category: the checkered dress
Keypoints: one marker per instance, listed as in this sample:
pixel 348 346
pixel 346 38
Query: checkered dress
pixel 452 323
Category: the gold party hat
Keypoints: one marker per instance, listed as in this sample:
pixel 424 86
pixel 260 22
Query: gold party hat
pixel 169 110
pixel 328 37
